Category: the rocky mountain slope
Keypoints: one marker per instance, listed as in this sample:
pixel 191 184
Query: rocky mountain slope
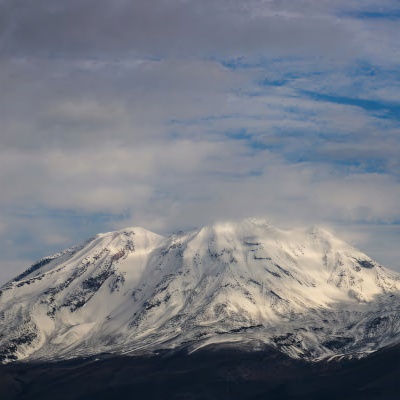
pixel 303 292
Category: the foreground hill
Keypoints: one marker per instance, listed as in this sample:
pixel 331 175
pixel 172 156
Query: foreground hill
pixel 213 373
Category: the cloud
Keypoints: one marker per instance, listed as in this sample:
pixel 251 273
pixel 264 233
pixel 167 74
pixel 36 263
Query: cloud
pixel 171 114
pixel 166 28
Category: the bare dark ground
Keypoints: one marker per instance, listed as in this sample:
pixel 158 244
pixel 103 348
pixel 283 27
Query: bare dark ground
pixel 223 373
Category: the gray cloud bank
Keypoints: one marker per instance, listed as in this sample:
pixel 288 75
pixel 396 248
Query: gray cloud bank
pixel 171 114
pixel 167 28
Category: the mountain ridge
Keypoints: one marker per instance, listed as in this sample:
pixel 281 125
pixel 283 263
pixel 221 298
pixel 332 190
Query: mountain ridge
pixel 305 292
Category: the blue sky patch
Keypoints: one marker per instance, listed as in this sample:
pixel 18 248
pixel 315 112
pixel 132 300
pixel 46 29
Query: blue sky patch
pixel 380 109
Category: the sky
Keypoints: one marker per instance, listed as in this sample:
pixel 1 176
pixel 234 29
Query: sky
pixel 172 114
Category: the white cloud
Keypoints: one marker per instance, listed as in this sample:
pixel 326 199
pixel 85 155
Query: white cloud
pixel 126 114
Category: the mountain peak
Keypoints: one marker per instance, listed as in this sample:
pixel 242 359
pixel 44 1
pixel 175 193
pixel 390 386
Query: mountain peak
pixel 134 230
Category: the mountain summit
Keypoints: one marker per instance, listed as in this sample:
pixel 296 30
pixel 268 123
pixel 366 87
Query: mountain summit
pixel 305 292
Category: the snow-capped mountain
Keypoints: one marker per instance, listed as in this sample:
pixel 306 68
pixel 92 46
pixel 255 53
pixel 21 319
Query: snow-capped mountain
pixel 305 292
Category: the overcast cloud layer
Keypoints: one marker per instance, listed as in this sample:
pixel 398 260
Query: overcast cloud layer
pixel 172 114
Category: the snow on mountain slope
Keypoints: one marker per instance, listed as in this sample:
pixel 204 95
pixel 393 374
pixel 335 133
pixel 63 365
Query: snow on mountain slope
pixel 305 292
